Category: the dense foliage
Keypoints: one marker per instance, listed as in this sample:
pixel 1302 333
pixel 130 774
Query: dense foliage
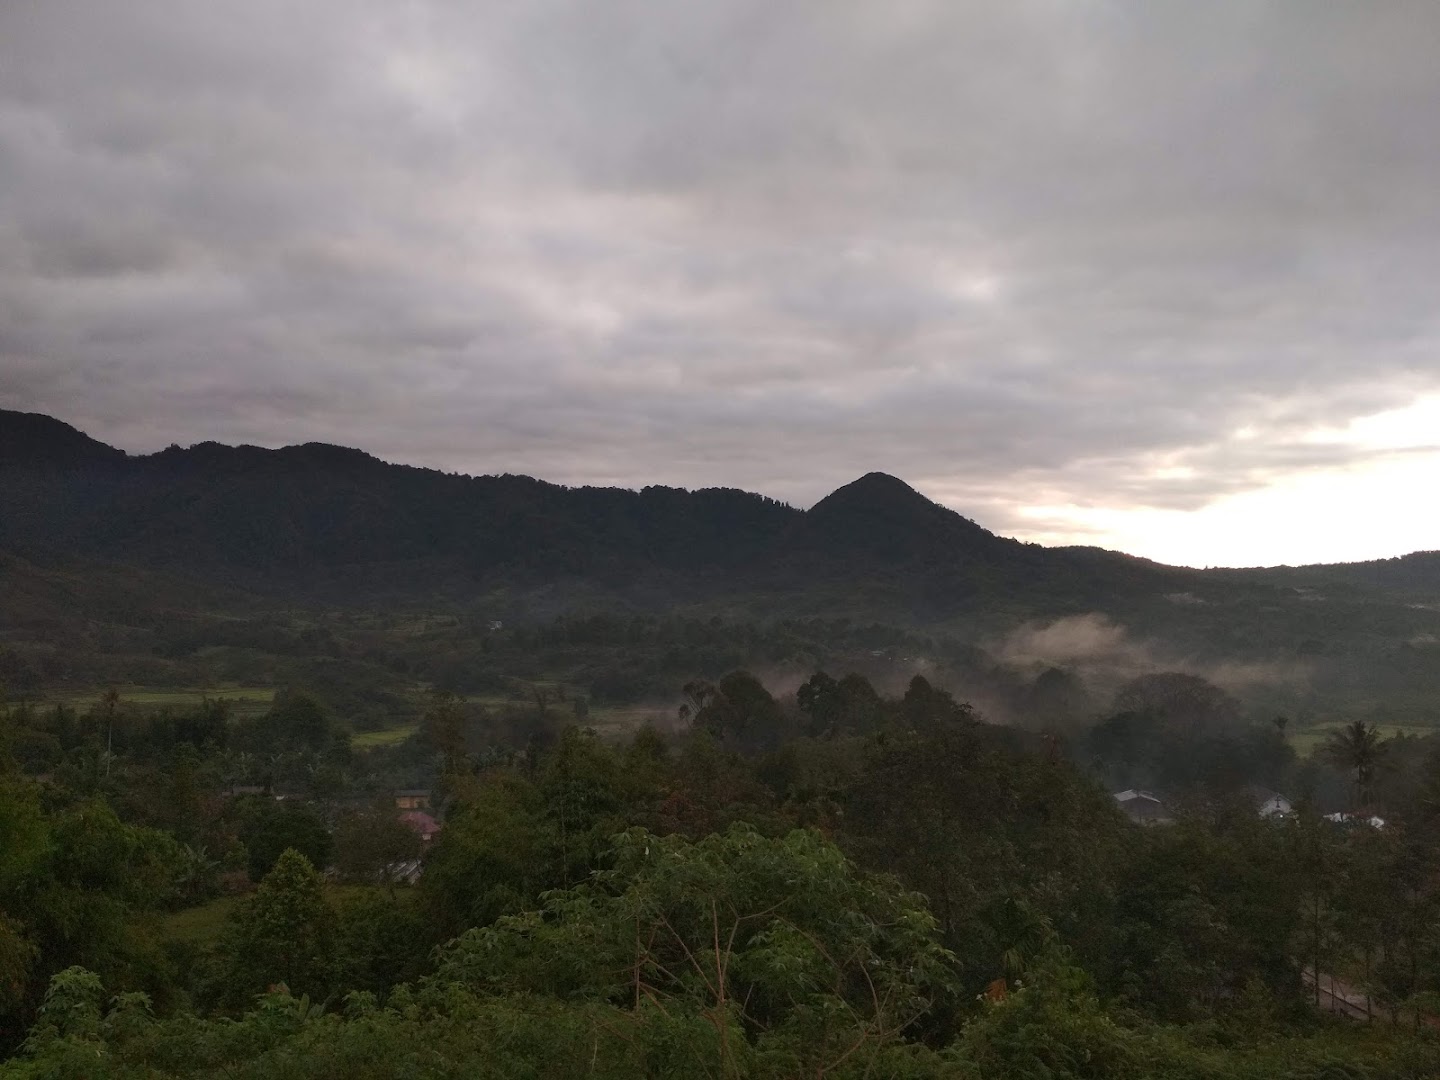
pixel 835 882
pixel 324 567
pixel 518 780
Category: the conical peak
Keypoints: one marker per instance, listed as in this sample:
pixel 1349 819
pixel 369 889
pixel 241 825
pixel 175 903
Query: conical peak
pixel 875 486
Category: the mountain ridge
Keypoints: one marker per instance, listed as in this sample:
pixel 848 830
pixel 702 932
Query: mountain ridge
pixel 99 549
pixel 315 518
pixel 39 439
pixel 214 505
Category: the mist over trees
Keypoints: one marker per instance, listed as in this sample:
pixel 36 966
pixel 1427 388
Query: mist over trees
pixel 834 879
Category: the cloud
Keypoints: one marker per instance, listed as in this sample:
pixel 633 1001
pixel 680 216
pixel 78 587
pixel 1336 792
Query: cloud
pixel 1030 255
pixel 1107 655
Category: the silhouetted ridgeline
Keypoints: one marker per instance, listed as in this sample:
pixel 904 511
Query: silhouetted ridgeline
pixel 337 524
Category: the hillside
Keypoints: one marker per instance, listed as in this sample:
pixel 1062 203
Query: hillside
pixel 100 545
pixel 36 440
pixel 323 518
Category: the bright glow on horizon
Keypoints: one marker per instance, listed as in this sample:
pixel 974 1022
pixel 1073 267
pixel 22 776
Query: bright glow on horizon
pixel 1381 509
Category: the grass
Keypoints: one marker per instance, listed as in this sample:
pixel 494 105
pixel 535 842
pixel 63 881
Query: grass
pixel 619 720
pixel 203 924
pixel 1306 740
pixel 197 925
pixel 244 700
pixel 388 737
pixel 606 721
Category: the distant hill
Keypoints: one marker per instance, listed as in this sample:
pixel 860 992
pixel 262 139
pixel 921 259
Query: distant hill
pixel 35 439
pixel 319 517
pixel 81 523
pixel 1415 573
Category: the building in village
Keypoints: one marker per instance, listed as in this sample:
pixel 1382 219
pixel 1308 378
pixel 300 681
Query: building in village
pixel 1142 807
pixel 413 799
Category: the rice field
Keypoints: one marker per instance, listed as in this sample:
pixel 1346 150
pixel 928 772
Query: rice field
pixel 244 700
pixel 366 740
pixel 1306 740
pixel 621 720
pixel 251 701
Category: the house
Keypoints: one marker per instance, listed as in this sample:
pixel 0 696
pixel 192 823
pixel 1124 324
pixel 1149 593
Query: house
pixel 235 791
pixel 1270 805
pixel 423 825
pixel 1356 819
pixel 1142 807
pixel 404 873
pixel 413 799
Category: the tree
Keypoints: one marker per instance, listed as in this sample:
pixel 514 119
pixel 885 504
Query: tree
pixel 1358 750
pixel 296 721
pixel 1201 911
pixel 786 952
pixel 820 698
pixel 379 941
pixel 713 786
pixel 925 707
pixel 444 727
pixel 494 856
pixel 1052 1028
pixel 278 828
pixel 737 709
pixel 863 709
pixel 580 783
pixel 70 882
pixel 1315 855
pixel 946 836
pixel 369 842
pixel 17 954
pixel 283 934
pixel 109 703
pixel 1057 700
pixel 1185 701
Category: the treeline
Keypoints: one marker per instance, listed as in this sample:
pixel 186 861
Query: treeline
pixel 845 884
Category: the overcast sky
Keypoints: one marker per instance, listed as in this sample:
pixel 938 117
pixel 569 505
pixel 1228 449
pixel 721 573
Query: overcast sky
pixel 1162 276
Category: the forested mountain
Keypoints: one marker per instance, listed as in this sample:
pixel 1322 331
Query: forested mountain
pixel 327 519
pixel 1417 573
pixel 105 552
pixel 42 441
pixel 310 513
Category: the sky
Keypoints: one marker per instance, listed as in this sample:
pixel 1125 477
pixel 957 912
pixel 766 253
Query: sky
pixel 1156 276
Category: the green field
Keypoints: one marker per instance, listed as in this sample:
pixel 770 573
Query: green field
pixel 250 701
pixel 1306 740
pixel 244 700
pixel 388 737
pixel 203 924
pixel 623 720
pixel 198 925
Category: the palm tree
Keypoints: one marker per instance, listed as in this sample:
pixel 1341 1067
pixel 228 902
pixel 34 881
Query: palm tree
pixel 109 703
pixel 1357 748
pixel 1022 933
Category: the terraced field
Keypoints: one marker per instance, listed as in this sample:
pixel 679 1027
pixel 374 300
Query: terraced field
pixel 244 700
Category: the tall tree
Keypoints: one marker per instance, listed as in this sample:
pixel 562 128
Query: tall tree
pixel 283 934
pixel 1358 750
pixel 444 727
pixel 821 700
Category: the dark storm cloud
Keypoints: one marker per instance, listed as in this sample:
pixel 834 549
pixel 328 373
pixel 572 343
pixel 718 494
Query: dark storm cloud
pixel 1027 253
